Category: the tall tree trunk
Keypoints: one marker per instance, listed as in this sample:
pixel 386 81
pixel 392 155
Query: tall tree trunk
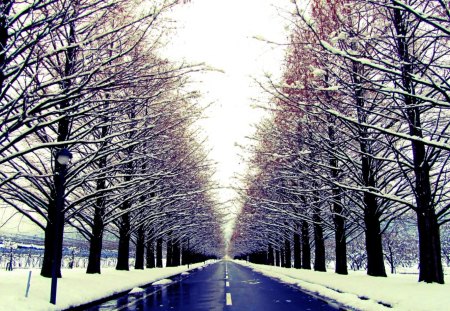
pixel 140 249
pixel 429 235
pixel 176 254
pixel 283 258
pixel 95 245
pixel 374 247
pixel 51 243
pixel 338 217
pixel 306 254
pixel 297 251
pixel 374 243
pixel 159 246
pixel 287 247
pixel 150 254
pixel 277 258
pixel 391 259
pixel 186 255
pixel 270 257
pixel 429 248
pixel 96 241
pixel 339 234
pixel 319 243
pixel 123 253
pixel 54 231
pixel 169 253
pixel 340 244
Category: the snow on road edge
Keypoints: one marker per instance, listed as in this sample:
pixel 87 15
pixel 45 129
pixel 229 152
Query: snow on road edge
pixel 359 291
pixel 76 287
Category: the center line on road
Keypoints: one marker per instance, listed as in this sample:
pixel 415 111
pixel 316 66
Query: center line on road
pixel 227 284
pixel 229 303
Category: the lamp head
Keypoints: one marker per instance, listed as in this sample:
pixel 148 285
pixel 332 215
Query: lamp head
pixel 63 156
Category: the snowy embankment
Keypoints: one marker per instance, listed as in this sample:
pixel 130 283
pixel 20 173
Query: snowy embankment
pixel 75 287
pixel 362 292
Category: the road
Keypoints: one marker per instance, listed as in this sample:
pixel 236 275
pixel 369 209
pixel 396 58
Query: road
pixel 221 286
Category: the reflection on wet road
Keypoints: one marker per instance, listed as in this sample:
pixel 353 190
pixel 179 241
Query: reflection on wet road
pixel 221 286
pixel 202 290
pixel 252 291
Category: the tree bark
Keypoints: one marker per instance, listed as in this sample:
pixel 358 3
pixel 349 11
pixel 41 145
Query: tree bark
pixel 429 235
pixel 374 247
pixel 54 231
pixel 176 254
pixel 270 257
pixel 169 253
pixel 319 243
pixel 159 246
pixel 277 258
pixel 306 254
pixel 150 254
pixel 287 247
pixel 51 244
pixel 95 246
pixel 338 218
pixel 140 249
pixel 123 253
pixel 340 245
pixel 297 251
pixel 391 259
pixel 429 246
pixel 186 255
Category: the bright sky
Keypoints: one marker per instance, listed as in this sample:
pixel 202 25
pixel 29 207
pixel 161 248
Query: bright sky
pixel 223 35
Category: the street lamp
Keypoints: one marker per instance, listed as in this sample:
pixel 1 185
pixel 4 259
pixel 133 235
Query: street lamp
pixel 63 157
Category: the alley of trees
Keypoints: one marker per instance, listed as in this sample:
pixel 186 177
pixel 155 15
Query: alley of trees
pixel 352 168
pixel 86 76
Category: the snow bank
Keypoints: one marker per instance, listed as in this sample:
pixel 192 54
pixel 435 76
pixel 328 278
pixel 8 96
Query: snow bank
pixel 75 288
pixel 162 282
pixel 136 290
pixel 363 292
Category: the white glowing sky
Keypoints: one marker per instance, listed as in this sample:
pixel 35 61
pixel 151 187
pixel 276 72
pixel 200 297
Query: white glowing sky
pixel 222 34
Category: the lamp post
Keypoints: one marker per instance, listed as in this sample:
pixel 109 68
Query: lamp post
pixel 63 158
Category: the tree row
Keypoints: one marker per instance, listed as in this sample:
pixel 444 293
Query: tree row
pixel 85 78
pixel 358 141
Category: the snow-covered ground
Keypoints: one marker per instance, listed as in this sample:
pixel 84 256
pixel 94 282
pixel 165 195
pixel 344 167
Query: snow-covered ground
pixel 75 287
pixel 356 290
pixel 362 292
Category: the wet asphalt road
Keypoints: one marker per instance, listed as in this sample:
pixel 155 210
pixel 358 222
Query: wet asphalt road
pixel 221 286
